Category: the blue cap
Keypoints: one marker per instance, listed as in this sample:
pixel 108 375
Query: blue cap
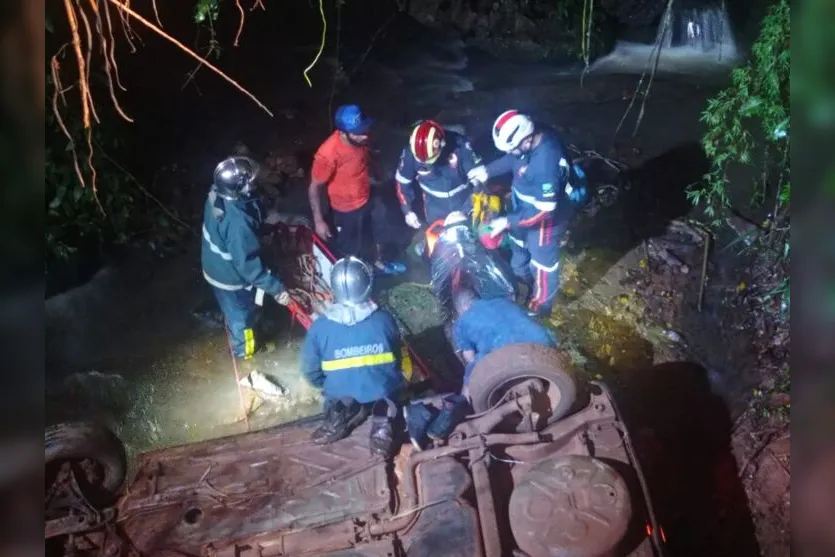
pixel 350 119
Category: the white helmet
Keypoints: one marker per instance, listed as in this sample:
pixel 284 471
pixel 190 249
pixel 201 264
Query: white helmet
pixel 510 129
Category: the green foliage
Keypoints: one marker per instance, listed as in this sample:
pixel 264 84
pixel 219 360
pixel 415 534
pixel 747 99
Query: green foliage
pixel 77 218
pixel 759 94
pixel 73 216
pixel 206 11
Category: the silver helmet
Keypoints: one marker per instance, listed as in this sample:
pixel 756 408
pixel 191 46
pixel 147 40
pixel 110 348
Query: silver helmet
pixel 235 177
pixel 351 280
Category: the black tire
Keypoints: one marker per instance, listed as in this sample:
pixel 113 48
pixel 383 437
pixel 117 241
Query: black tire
pixel 83 440
pixel 499 370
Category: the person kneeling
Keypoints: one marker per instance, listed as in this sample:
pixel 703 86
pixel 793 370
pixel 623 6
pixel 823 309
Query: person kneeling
pixel 352 352
pixel 485 325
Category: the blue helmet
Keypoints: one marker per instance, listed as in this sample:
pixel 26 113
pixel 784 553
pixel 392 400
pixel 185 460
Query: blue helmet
pixel 350 119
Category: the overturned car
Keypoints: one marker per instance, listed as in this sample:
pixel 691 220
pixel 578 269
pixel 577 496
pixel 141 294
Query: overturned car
pixel 547 469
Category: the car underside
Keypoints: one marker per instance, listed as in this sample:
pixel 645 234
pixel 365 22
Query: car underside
pixel 512 480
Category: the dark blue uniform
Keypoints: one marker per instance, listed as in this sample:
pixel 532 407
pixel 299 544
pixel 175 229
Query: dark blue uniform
pixel 444 184
pixel 540 181
pixel 354 352
pixel 233 267
pixel 489 324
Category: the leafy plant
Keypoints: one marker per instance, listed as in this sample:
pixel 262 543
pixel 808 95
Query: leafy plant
pixel 78 218
pixel 206 10
pixel 758 94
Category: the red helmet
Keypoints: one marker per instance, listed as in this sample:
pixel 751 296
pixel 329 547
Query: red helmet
pixel 427 141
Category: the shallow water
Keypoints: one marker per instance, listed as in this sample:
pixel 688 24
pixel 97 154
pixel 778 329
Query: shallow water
pixel 127 349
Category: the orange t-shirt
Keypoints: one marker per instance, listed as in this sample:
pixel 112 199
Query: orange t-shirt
pixel 343 168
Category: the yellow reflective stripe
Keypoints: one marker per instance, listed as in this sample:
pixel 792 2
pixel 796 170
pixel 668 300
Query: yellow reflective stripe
pixel 358 361
pixel 406 365
pixel 249 343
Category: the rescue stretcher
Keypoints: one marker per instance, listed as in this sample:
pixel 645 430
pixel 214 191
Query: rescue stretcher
pixel 304 262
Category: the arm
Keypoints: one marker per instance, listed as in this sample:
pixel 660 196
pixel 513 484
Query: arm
pixel 461 342
pixel 320 174
pixel 500 166
pixel 405 175
pixel 242 241
pixel 530 213
pixel 469 158
pixel 314 194
pixel 311 359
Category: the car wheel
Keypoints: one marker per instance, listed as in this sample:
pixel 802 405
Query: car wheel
pixel 494 378
pixel 85 468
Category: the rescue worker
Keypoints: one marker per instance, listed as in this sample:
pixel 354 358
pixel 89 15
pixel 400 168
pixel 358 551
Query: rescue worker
pixel 543 177
pixel 438 160
pixel 232 219
pixel 352 352
pixel 484 325
pixel 341 166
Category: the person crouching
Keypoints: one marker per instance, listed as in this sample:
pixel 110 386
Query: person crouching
pixel 353 352
pixel 485 325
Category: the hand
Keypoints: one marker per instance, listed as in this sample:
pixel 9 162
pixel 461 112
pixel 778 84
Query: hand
pixel 412 220
pixel 283 298
pixel 322 229
pixel 478 174
pixel 497 226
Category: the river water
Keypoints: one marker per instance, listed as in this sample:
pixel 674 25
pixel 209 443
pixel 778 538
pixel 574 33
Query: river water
pixel 133 348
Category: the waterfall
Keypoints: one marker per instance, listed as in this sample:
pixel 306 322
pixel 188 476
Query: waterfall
pixel 701 30
pixel 691 41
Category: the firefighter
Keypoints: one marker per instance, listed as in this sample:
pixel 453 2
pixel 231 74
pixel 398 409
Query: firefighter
pixel 543 179
pixel 438 160
pixel 353 352
pixel 232 219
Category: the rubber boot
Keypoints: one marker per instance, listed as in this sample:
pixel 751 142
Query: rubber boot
pixel 340 420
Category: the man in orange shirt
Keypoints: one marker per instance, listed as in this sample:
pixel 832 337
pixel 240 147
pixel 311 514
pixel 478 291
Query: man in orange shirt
pixel 341 165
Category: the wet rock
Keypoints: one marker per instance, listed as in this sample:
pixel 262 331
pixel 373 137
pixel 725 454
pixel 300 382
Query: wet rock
pixel 668 256
pixel 673 336
pixel 264 384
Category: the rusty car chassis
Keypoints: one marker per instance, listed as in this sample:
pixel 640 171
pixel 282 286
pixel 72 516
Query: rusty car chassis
pixel 573 487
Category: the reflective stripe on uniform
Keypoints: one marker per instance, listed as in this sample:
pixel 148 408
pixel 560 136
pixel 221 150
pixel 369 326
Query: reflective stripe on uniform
pixel 406 365
pixel 358 361
pixel 547 269
pixel 540 291
pixel 249 343
pixel 212 246
pixel 400 178
pixel 443 194
pixel 531 200
pixel 221 285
